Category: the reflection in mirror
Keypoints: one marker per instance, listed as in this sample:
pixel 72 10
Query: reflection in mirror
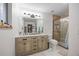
pixel 5 15
pixel 3 12
pixel 32 26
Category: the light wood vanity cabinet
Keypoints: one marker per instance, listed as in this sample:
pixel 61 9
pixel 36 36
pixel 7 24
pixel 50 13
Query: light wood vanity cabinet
pixel 30 45
pixel 42 43
pixel 21 44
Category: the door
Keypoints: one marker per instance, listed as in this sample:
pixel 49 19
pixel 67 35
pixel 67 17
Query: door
pixel 56 27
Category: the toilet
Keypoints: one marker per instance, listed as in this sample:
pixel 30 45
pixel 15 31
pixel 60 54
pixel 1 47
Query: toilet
pixel 52 44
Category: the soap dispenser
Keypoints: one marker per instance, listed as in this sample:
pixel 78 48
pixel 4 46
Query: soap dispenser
pixel 1 23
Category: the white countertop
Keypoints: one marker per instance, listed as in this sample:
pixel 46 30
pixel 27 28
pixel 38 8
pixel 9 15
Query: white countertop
pixel 30 35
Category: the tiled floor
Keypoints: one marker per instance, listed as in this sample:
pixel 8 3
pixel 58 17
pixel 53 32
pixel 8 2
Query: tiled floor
pixel 60 51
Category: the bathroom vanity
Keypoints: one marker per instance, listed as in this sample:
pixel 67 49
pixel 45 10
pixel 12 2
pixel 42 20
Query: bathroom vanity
pixel 29 44
pixel 30 39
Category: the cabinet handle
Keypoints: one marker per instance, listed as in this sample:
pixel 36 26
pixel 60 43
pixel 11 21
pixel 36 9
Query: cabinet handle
pixel 33 38
pixel 34 49
pixel 34 45
pixel 34 42
pixel 24 43
pixel 24 39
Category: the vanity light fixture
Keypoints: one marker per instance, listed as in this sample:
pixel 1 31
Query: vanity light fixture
pixel 24 13
pixel 28 14
pixel 36 15
pixel 32 15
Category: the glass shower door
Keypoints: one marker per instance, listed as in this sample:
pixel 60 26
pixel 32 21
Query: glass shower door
pixel 64 32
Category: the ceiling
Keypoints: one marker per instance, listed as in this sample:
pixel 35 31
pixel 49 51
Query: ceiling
pixel 60 9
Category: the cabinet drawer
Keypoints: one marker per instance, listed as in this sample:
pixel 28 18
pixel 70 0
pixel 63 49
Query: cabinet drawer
pixel 34 45
pixel 34 50
pixel 26 38
pixel 27 48
pixel 19 49
pixel 43 37
pixel 35 37
pixel 18 40
pixel 34 42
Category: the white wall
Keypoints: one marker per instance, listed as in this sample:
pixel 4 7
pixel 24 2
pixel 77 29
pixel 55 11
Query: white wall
pixel 7 37
pixel 74 29
pixel 48 24
pixel 6 42
pixel 48 20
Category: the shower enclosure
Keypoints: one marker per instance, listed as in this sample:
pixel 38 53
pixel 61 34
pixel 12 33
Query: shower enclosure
pixel 64 32
pixel 60 30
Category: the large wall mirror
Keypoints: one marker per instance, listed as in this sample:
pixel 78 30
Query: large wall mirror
pixel 32 26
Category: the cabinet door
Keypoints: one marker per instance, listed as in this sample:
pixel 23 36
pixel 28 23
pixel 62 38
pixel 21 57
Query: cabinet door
pixel 44 42
pixel 19 47
pixel 27 45
pixel 56 27
pixel 40 43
